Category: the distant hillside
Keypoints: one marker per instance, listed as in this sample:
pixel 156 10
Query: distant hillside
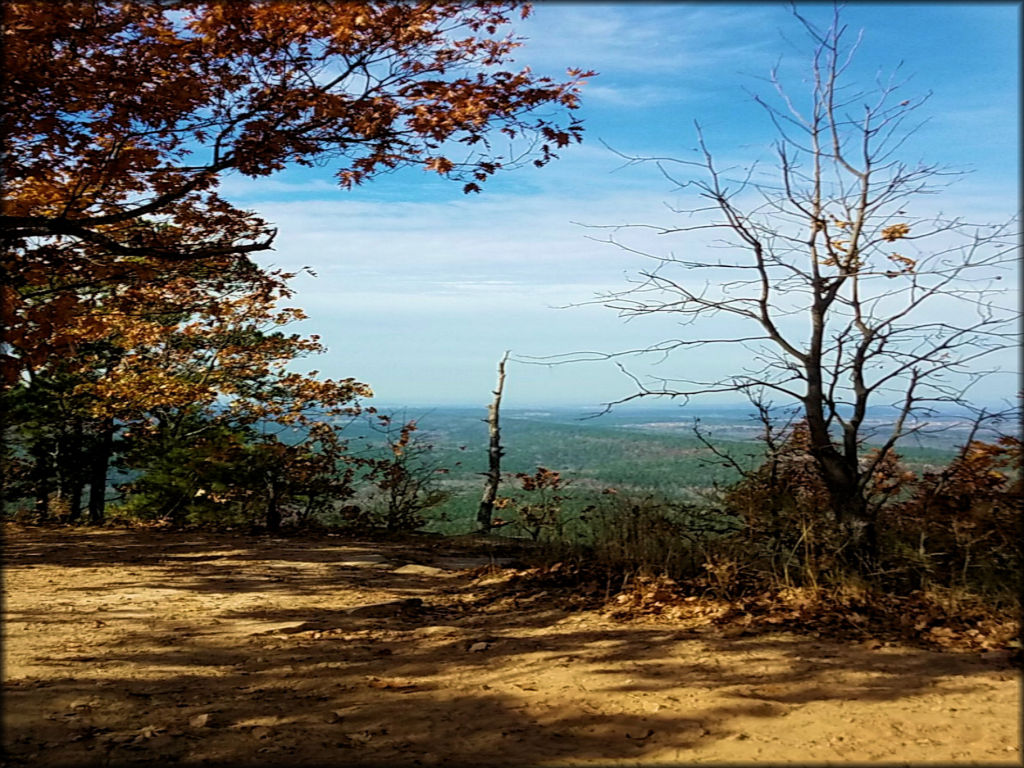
pixel 639 451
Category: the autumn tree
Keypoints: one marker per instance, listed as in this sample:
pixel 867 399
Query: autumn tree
pixel 193 380
pixel 56 443
pixel 230 472
pixel 853 294
pixel 121 119
pixel 223 369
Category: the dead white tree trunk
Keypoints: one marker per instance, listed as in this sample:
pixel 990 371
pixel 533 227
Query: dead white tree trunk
pixel 494 454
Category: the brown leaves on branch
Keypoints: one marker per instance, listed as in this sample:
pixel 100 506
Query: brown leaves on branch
pixel 117 110
pixel 893 233
pixel 843 253
pixel 906 265
pixel 542 479
pixel 121 119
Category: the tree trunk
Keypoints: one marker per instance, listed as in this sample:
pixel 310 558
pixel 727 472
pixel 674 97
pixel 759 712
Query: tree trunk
pixel 494 454
pixel 274 509
pixel 70 458
pixel 98 472
pixel 841 475
pixel 849 508
pixel 74 497
pixel 41 475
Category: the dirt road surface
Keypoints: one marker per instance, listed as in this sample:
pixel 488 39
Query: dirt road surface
pixel 141 647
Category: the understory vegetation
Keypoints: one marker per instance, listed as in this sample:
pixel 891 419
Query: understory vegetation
pixel 953 528
pixel 948 522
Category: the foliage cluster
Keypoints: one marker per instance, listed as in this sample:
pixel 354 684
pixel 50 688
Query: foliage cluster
pixel 953 530
pixel 539 507
pixel 961 526
pixel 121 119
pixel 773 554
pixel 405 479
pixel 957 527
pixel 138 333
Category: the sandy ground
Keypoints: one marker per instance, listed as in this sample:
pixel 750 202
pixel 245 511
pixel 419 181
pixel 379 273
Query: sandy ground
pixel 144 647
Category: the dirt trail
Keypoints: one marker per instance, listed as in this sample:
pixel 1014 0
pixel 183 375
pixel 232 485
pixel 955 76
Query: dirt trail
pixel 143 647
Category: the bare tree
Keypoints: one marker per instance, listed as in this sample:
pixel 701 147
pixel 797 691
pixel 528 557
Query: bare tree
pixel 494 454
pixel 853 295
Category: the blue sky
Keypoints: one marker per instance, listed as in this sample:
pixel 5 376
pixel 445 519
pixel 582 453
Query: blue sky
pixel 420 289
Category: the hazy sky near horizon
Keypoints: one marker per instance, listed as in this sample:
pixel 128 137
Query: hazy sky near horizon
pixel 419 289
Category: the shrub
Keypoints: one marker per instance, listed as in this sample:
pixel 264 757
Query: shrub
pixel 643 536
pixel 537 509
pixel 788 530
pixel 961 527
pixel 406 480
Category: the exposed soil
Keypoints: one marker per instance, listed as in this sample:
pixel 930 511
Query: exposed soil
pixel 147 647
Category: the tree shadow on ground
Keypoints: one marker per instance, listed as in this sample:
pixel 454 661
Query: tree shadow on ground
pixel 464 678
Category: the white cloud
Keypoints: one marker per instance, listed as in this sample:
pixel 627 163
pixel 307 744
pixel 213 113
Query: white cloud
pixel 420 290
pixel 645 39
pixel 635 96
